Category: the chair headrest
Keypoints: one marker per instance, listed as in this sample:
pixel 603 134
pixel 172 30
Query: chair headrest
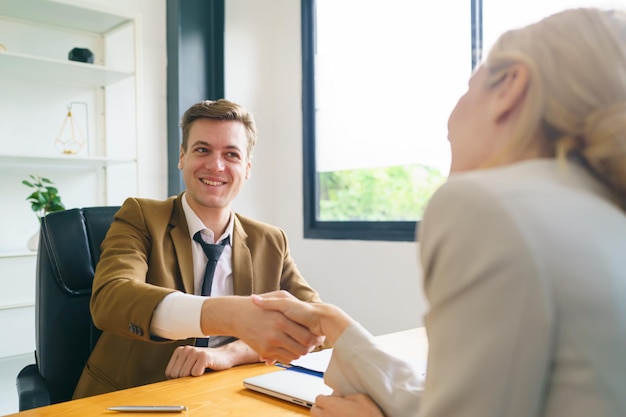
pixel 72 239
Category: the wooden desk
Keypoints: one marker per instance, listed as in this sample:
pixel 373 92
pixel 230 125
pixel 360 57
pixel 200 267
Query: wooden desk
pixel 214 394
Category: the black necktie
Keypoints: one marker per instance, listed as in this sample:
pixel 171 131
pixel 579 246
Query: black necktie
pixel 213 253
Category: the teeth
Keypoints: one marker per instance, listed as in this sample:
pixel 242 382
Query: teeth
pixel 213 183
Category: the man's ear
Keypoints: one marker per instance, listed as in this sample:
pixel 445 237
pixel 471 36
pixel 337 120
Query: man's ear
pixel 180 158
pixel 510 92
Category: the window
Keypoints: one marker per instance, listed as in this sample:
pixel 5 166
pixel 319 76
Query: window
pixel 380 79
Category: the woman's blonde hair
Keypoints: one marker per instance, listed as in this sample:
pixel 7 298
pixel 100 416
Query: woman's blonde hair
pixel 576 97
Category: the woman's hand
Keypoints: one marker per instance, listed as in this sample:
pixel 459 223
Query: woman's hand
pixel 321 319
pixel 270 333
pixel 358 405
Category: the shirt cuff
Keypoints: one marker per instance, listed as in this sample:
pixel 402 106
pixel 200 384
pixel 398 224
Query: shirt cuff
pixel 177 317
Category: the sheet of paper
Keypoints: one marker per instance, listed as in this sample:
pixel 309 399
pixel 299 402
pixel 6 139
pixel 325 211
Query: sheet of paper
pixel 410 345
pixel 315 361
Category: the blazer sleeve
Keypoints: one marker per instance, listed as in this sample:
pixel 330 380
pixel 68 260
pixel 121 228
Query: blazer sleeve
pixel 122 300
pixel 359 365
pixel 490 317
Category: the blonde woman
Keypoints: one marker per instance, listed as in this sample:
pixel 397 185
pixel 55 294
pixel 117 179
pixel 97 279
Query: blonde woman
pixel 523 249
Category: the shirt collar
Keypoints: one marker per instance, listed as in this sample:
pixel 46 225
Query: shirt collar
pixel 195 224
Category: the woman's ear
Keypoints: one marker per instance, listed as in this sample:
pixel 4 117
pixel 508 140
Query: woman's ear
pixel 510 92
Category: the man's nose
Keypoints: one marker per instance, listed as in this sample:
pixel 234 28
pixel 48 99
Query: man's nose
pixel 215 162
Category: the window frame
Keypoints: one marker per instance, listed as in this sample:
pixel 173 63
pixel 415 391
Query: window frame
pixel 398 231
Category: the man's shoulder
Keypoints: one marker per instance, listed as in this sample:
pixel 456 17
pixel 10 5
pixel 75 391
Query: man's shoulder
pixel 148 208
pixel 151 203
pixel 251 225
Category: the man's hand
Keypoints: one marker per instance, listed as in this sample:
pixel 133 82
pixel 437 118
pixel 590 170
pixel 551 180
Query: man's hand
pixel 321 319
pixel 194 361
pixel 359 405
pixel 268 332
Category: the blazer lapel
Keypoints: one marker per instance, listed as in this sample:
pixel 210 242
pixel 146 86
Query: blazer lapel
pixel 242 261
pixel 181 241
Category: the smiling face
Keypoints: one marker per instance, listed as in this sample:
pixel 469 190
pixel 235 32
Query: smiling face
pixel 215 165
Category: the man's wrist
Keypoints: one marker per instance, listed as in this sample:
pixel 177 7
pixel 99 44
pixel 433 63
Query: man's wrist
pixel 217 316
pixel 239 353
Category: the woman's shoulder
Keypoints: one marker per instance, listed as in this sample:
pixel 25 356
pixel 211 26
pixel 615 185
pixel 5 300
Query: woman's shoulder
pixel 502 183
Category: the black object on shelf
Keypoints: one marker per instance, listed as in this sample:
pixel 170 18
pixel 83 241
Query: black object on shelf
pixel 81 55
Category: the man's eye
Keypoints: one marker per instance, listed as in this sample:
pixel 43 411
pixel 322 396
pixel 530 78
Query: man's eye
pixel 233 155
pixel 202 150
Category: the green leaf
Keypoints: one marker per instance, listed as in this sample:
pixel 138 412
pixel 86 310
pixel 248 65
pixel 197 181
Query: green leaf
pixel 45 199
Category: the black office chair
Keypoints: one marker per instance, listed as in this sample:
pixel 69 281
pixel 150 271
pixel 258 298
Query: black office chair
pixel 69 248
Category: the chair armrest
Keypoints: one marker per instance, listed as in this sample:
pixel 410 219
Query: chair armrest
pixel 32 390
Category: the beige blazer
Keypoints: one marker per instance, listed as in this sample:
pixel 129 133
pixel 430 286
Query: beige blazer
pixel 145 256
pixel 525 277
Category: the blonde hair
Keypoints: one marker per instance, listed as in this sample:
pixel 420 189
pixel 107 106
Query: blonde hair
pixel 576 97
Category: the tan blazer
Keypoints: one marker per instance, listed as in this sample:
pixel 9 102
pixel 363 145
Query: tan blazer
pixel 145 256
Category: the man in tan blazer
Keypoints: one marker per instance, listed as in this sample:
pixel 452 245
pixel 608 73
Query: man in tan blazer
pixel 146 291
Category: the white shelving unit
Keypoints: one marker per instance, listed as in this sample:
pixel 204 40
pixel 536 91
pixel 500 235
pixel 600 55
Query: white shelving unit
pixel 37 85
pixel 33 68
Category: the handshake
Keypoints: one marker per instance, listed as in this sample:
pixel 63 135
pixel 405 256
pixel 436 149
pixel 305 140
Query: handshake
pixel 278 326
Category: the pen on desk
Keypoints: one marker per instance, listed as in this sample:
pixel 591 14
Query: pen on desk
pixel 149 408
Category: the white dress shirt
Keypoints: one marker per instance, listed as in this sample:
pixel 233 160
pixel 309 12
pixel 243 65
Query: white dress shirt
pixel 172 316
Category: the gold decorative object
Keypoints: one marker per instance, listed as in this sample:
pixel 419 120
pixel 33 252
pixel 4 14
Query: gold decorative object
pixel 70 139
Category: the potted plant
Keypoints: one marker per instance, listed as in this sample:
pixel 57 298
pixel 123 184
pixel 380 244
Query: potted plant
pixel 43 200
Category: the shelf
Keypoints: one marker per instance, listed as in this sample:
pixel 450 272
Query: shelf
pixel 54 71
pixel 23 254
pixel 61 14
pixel 63 160
pixel 20 304
pixel 36 78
